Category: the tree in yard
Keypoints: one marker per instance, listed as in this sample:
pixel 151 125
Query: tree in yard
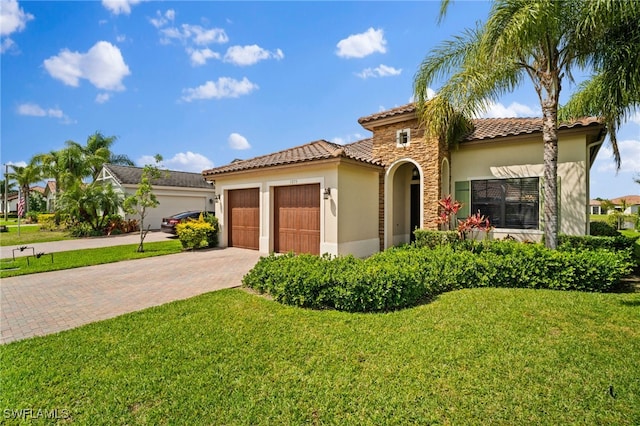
pixel 6 186
pixel 24 177
pixel 144 198
pixel 92 204
pixel 97 152
pixel 543 40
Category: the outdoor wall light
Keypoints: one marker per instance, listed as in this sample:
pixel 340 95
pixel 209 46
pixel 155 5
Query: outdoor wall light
pixel 415 174
pixel 327 193
pixel 217 197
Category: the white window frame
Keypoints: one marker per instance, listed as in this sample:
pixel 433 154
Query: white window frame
pixel 399 134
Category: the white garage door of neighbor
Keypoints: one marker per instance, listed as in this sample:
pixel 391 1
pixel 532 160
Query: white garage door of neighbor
pixel 170 205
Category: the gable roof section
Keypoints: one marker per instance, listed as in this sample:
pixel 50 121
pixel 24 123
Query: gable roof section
pixel 127 175
pixel 630 200
pixel 486 128
pixel 318 150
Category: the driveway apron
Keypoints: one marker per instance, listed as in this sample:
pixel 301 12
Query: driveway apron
pixel 45 303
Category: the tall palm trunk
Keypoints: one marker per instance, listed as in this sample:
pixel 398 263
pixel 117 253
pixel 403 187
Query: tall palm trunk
pixel 550 86
pixel 550 138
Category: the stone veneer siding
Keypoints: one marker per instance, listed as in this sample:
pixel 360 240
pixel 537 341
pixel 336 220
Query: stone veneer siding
pixel 429 153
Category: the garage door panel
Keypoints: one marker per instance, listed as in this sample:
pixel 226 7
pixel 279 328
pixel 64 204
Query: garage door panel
pixel 244 218
pixel 297 219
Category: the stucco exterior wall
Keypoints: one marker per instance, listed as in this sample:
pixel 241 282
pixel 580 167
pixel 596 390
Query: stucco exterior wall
pixel 354 193
pixel 524 158
pixel 357 210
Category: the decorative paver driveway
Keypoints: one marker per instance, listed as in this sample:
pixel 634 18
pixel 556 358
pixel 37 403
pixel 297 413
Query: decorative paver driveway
pixel 40 304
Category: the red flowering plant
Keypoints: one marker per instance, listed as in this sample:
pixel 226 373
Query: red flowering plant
pixel 473 225
pixel 448 209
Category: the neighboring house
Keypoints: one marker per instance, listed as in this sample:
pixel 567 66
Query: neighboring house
pixel 176 191
pixel 595 207
pixel 369 195
pixel 12 198
pixel 50 195
pixel 628 204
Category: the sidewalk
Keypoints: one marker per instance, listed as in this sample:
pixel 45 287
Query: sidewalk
pixel 85 243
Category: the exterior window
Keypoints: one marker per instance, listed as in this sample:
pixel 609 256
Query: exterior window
pixel 403 138
pixel 508 203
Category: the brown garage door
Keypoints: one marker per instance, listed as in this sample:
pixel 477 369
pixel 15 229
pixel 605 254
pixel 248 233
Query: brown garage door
pixel 244 218
pixel 297 219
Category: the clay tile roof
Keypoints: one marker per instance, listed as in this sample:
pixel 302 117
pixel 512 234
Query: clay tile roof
pixel 408 108
pixel 631 200
pixel 131 175
pixel 318 150
pixel 490 128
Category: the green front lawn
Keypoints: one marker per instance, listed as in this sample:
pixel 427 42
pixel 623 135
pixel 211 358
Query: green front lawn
pixel 30 234
pixel 481 356
pixel 86 257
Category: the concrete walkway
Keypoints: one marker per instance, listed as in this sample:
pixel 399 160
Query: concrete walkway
pixel 84 243
pixel 40 304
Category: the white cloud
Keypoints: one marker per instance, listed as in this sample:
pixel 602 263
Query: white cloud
pixel 195 34
pixel 12 18
pixel 182 161
pixel 225 87
pixel 515 109
pixel 347 139
pixel 6 45
pixel 121 38
pixel 380 71
pixel 237 141
pixel 120 6
pixel 103 97
pixel 102 65
pixel 249 55
pixel 363 44
pixel 163 19
pixel 188 162
pixel 35 110
pixel 200 57
pixel 629 154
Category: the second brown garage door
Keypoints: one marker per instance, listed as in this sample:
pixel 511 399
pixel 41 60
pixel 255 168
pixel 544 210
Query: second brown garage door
pixel 297 219
pixel 244 218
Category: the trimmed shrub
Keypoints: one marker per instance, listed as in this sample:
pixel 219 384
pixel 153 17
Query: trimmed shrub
pixel 587 242
pixel 193 234
pixel 47 221
pixel 401 277
pixel 603 229
pixel 433 239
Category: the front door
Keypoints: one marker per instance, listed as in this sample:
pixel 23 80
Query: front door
pixel 415 210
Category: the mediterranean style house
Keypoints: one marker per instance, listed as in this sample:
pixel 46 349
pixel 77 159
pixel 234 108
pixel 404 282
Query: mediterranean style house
pixel 176 191
pixel 363 197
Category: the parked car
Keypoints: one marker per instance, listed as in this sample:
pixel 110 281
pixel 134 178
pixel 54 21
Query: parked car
pixel 169 223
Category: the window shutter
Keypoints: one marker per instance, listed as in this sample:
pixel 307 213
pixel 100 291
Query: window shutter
pixel 462 195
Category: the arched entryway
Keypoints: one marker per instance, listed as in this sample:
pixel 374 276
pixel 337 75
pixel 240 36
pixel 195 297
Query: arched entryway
pixel 403 211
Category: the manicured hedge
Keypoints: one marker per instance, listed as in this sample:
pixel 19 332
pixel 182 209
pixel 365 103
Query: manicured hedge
pixel 617 243
pixel 602 229
pixel 401 277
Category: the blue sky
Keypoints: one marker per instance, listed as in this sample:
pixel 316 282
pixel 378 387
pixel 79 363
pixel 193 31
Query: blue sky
pixel 203 83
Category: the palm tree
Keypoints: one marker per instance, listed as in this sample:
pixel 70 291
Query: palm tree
pixel 24 177
pixel 614 89
pixel 540 39
pixel 97 152
pixel 6 186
